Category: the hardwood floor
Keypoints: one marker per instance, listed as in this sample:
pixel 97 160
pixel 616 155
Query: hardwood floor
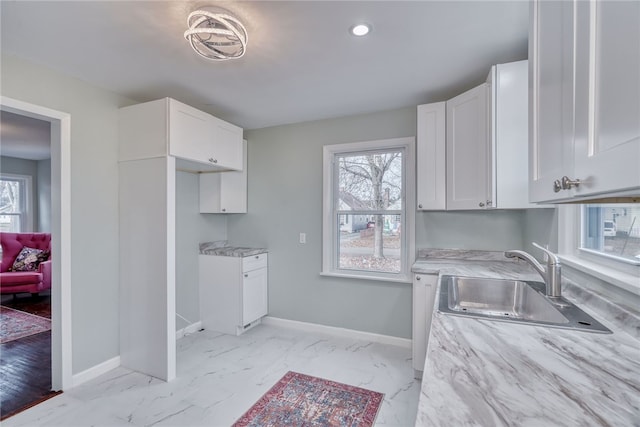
pixel 25 363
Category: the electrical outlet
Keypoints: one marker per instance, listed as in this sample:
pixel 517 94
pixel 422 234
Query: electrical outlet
pixel 303 238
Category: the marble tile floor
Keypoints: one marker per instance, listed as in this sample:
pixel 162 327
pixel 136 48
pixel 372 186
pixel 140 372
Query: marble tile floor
pixel 221 376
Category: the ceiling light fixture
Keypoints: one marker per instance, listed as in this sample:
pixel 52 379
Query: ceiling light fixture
pixel 360 30
pixel 216 35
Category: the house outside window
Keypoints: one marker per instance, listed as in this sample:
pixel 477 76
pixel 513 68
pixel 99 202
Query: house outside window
pixel 368 209
pixel 612 231
pixel 602 241
pixel 15 193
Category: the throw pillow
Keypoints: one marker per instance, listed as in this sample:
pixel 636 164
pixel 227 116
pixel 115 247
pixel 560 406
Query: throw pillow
pixel 29 259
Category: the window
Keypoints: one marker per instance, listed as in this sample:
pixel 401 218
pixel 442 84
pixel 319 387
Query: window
pixel 15 192
pixel 587 243
pixel 612 231
pixel 368 195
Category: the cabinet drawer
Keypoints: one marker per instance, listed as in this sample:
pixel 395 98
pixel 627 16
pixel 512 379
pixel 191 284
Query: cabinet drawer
pixel 254 262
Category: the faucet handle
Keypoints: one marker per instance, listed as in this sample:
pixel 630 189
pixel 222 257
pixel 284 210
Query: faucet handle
pixel 552 258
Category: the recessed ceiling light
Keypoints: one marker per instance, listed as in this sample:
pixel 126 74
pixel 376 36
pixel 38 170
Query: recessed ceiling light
pixel 360 29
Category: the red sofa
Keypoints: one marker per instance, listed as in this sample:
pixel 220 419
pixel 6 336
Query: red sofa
pixel 13 282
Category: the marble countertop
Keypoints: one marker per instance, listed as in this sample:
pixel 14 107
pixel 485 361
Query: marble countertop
pixel 487 373
pixel 222 248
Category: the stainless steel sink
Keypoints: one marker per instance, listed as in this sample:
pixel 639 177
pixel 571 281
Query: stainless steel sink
pixel 512 301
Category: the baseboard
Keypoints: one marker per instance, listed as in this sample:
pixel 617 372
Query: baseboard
pixel 96 371
pixel 341 332
pixel 194 327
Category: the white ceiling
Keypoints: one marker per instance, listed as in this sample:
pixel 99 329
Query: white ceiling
pixel 301 64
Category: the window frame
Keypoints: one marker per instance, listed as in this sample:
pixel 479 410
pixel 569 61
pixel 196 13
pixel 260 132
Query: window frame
pixel 330 228
pixel 26 190
pixel 609 269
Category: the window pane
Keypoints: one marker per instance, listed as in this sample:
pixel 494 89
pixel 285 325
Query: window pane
pixel 613 230
pixel 370 181
pixel 370 243
pixel 10 223
pixel 10 196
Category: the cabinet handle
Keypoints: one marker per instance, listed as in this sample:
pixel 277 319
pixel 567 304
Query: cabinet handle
pixel 419 206
pixel 417 277
pixel 557 186
pixel 568 183
pixel 481 204
pixel 212 160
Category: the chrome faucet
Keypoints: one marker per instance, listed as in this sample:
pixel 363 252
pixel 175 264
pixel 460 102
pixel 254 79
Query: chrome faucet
pixel 552 274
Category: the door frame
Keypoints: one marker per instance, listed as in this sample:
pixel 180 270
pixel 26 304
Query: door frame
pixel 61 348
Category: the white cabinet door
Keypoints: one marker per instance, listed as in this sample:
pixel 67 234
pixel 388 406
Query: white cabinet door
pixel 424 289
pixel 586 100
pixel 254 295
pixel 468 151
pixel 550 97
pixel 190 132
pixel 431 157
pixel 227 149
pixel 224 192
pixel 607 128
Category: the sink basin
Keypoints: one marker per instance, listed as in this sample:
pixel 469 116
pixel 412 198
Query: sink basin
pixel 512 301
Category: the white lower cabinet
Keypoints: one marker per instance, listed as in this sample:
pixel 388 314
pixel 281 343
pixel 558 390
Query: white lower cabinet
pixel 233 292
pixel 424 293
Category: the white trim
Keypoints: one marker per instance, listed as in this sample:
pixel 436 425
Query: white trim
pixel 339 332
pixel 357 275
pixel 328 224
pixel 194 327
pixel 96 371
pixel 61 337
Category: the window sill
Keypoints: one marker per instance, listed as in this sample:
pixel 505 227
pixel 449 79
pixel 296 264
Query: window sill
pixel 627 281
pixel 400 279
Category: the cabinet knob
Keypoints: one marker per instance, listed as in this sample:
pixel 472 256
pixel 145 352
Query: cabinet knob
pixel 224 210
pixel 557 186
pixel 246 275
pixel 489 203
pixel 212 160
pixel 257 256
pixel 417 277
pixel 568 183
pixel 481 204
pixel 420 206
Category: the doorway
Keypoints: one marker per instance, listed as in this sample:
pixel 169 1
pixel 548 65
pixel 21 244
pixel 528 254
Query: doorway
pixel 60 126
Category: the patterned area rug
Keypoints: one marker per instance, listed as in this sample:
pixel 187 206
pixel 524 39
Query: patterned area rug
pixel 15 324
pixel 303 400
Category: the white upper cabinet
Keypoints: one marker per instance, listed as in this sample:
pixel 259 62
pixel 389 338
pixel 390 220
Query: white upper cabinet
pixel 585 85
pixel 199 141
pixel 224 192
pixel 509 136
pixel 431 159
pixel 468 153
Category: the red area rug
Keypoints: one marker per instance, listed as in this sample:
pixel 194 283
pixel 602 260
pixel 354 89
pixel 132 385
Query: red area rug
pixel 303 400
pixel 15 324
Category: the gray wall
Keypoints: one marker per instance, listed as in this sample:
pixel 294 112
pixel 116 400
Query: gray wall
pixel 94 199
pixel 44 196
pixel 541 226
pixel 285 198
pixel 191 229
